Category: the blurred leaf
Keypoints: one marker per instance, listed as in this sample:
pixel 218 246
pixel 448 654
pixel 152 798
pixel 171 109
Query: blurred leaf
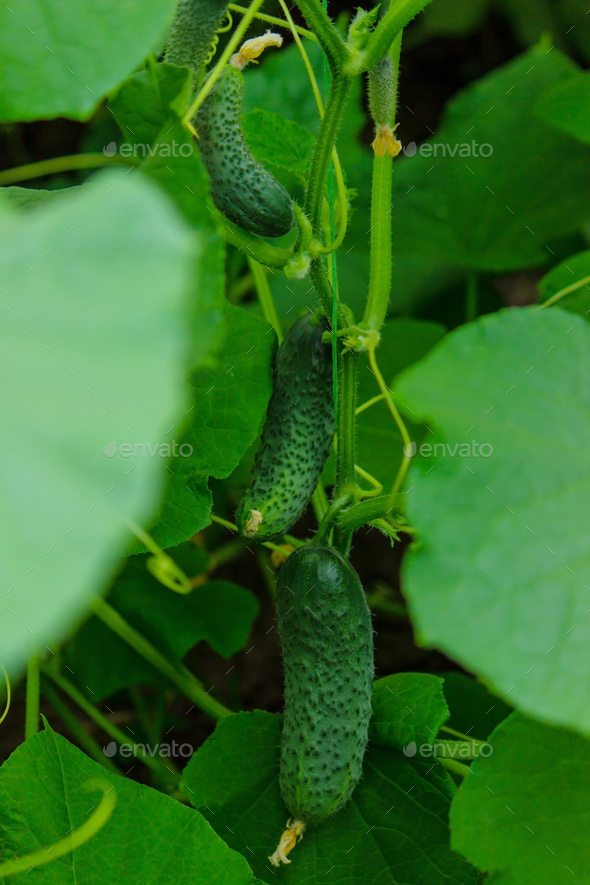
pixel 393 830
pixel 29 197
pixel 449 18
pixel 569 273
pixel 276 141
pixel 59 59
pixel 149 837
pixel 523 814
pixel 217 612
pixel 474 710
pixel 228 405
pixel 495 212
pixel 147 109
pixel 95 344
pixel 565 107
pixel 408 708
pixel 496 581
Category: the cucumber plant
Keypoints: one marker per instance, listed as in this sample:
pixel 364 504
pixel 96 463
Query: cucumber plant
pixel 300 421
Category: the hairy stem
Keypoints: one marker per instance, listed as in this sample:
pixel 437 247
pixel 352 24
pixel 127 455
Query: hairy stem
pixel 322 26
pixel 381 225
pixel 255 247
pixel 400 14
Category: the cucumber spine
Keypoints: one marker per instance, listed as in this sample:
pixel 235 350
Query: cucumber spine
pixel 297 435
pixel 327 640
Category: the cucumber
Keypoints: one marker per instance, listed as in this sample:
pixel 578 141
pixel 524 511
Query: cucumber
pixel 241 188
pixel 327 639
pixel 193 30
pixel 297 434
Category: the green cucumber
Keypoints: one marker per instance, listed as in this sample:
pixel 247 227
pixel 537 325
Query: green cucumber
pixel 241 188
pixel 327 640
pixel 297 434
pixel 193 31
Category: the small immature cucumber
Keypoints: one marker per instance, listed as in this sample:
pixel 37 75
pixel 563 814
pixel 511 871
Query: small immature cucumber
pixel 241 188
pixel 327 640
pixel 297 435
pixel 193 30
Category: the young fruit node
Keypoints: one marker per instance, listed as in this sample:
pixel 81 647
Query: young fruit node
pixel 382 102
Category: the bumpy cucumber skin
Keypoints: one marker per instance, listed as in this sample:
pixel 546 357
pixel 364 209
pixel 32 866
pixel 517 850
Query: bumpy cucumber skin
pixel 193 29
pixel 241 188
pixel 327 640
pixel 297 434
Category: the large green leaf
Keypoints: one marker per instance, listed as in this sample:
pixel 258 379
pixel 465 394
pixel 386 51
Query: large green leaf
pixel 227 408
pixel 60 59
pixel 524 812
pixel 495 212
pixel 276 141
pixel 393 831
pixel 218 612
pixel 408 708
pixel 95 346
pixel 572 275
pixel 497 578
pixel 149 837
pixel 565 106
pixel 147 108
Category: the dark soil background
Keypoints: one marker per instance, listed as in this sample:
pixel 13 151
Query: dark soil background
pixel 432 72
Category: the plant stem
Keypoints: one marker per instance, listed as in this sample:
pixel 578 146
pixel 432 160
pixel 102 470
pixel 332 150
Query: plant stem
pixel 86 741
pixel 461 736
pixel 346 457
pixel 265 297
pixel 180 676
pixel 396 18
pixel 62 164
pixel 322 26
pixel 563 292
pixel 33 692
pixel 403 469
pixel 455 767
pixel 265 253
pixel 370 402
pixel 335 106
pixel 348 379
pixel 366 511
pixel 382 223
pixel 103 721
pixel 274 20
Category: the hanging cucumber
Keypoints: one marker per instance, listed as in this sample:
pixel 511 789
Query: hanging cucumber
pixel 241 188
pixel 327 640
pixel 297 435
pixel 193 31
